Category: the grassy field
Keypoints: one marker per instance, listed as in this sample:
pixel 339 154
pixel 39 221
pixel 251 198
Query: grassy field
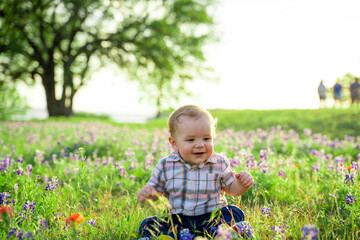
pixel 305 164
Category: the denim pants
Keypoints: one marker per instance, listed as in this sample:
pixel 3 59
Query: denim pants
pixel 202 225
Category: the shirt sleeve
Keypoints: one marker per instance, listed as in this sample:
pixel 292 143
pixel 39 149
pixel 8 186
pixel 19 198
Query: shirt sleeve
pixel 227 176
pixel 157 179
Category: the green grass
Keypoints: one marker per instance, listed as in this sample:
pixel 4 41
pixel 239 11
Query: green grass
pixel 104 187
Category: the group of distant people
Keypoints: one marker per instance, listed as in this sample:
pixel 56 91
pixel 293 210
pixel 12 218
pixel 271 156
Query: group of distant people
pixel 337 92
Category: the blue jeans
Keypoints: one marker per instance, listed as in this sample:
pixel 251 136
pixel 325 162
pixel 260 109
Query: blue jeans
pixel 202 225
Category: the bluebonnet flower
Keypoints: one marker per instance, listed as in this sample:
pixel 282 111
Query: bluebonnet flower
pixel 244 228
pixel 20 160
pixel 315 168
pixel 223 232
pixel 350 199
pixel 29 169
pixel 348 178
pixel 281 173
pixel 263 155
pixel 330 167
pixel 250 163
pixel 185 234
pixel 4 198
pixel 132 177
pixel 122 171
pixel 28 208
pixel 44 224
pixel 333 195
pixel 266 211
pixel 309 232
pixel 19 171
pixel 92 222
pixel 279 229
pixel 16 187
pixel 53 184
pixel 355 165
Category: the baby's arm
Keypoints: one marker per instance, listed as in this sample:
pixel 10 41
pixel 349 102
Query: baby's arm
pixel 148 193
pixel 239 187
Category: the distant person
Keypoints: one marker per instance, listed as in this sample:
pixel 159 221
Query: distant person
pixel 337 90
pixel 322 93
pixel 354 91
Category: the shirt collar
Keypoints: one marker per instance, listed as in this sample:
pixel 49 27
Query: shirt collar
pixel 175 156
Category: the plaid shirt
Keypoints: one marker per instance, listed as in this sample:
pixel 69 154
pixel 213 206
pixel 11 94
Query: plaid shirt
pixel 192 190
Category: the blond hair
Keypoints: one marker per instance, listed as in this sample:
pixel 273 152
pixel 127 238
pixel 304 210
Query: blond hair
pixel 191 111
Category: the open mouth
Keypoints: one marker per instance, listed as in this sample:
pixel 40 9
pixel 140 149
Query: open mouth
pixel 199 153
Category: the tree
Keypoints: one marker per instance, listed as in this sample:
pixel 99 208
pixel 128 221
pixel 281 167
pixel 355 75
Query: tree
pixel 61 42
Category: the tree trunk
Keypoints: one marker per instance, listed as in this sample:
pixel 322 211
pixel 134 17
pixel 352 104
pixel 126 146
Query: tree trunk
pixel 55 107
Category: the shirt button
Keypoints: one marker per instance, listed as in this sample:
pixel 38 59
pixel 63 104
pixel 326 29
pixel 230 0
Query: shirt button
pixel 191 182
pixel 190 197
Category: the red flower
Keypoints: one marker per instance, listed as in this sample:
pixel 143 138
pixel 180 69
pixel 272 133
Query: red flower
pixel 349 168
pixel 76 218
pixel 7 210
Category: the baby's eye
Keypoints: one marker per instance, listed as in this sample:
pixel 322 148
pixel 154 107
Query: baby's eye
pixel 207 138
pixel 189 140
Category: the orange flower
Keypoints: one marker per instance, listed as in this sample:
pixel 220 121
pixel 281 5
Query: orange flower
pixel 7 210
pixel 341 164
pixel 76 218
pixel 349 168
pixel 296 165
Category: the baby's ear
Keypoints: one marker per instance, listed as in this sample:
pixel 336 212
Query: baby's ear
pixel 173 143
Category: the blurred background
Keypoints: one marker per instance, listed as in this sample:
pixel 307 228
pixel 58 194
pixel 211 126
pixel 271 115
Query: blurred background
pixel 134 59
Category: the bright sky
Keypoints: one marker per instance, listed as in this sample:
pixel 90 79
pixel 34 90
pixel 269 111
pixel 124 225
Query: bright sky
pixel 272 55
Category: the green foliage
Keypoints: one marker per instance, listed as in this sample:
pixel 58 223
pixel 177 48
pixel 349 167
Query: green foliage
pixel 11 103
pixel 62 42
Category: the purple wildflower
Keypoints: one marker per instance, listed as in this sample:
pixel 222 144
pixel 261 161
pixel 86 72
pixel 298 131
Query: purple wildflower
pixel 333 195
pixel 20 160
pixel 250 163
pixel 52 185
pixel 44 224
pixel 266 211
pixel 4 198
pixel 263 155
pixel 16 187
pixel 223 232
pixel 348 178
pixel 29 169
pixel 185 234
pixel 309 232
pixel 355 166
pixel 281 173
pixel 350 199
pixel 315 168
pixel 132 177
pixel 92 222
pixel 122 171
pixel 244 228
pixel 19 171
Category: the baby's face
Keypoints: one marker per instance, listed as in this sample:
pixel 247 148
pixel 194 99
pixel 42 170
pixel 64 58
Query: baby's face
pixel 193 139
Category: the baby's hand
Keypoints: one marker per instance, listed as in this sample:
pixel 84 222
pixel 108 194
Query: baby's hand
pixel 245 179
pixel 147 193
